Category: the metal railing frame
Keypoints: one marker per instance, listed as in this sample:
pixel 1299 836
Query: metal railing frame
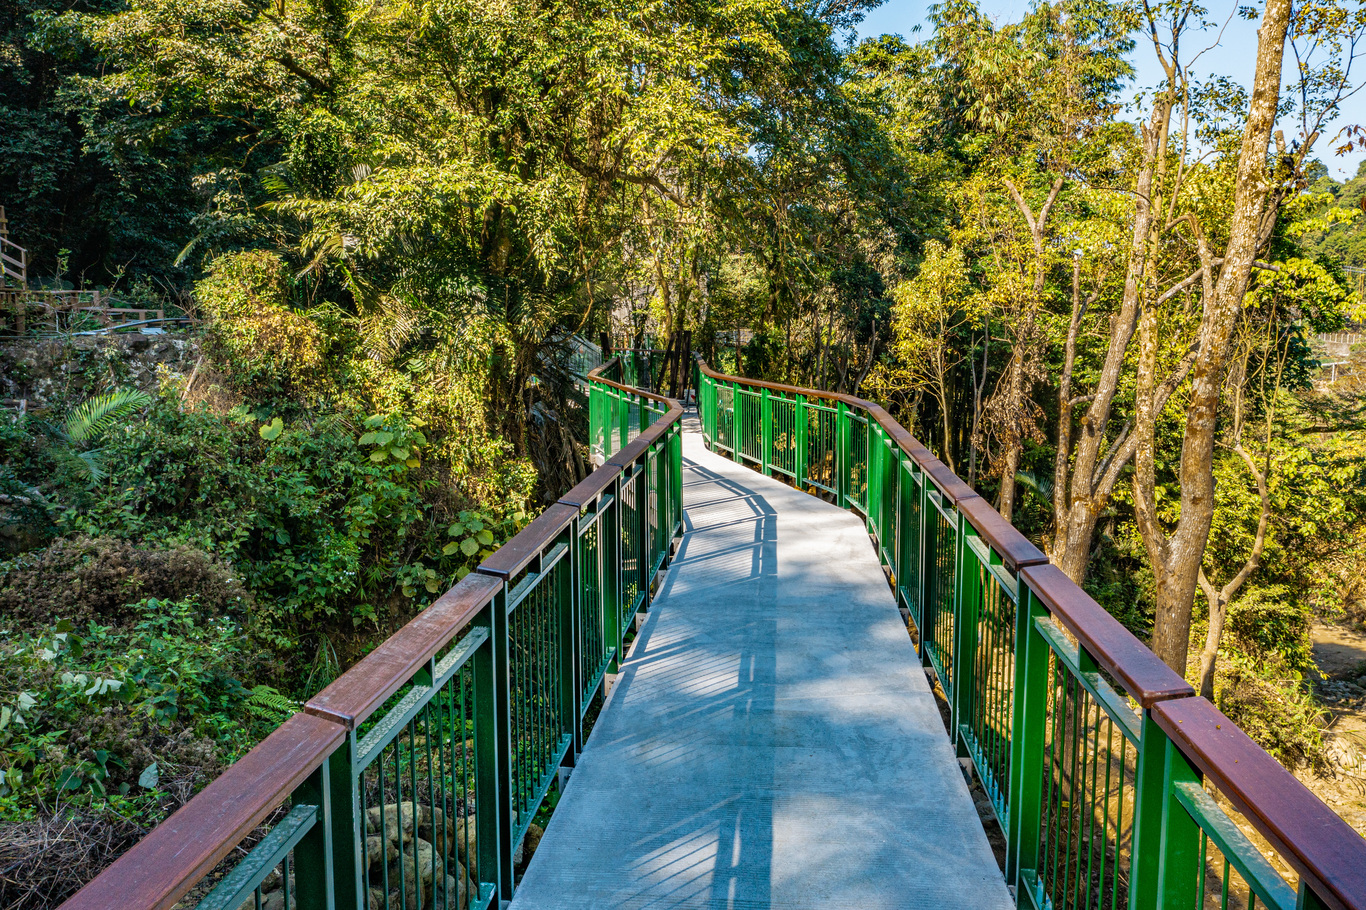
pixel 1035 672
pixel 518 648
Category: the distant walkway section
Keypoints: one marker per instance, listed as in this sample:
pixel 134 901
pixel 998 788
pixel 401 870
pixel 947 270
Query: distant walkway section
pixel 772 740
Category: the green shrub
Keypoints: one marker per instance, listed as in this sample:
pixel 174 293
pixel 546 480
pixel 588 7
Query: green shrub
pixel 115 716
pixel 1275 708
pixel 100 580
pixel 1269 621
pixel 336 519
pixel 256 333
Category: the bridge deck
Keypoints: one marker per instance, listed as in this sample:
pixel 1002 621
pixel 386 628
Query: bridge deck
pixel 772 741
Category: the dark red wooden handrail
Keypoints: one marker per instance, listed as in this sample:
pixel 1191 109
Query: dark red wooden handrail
pixel 164 866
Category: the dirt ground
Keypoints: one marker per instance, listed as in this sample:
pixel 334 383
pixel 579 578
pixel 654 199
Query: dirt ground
pixel 1340 653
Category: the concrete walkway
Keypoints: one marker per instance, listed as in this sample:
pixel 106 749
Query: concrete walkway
pixel 772 741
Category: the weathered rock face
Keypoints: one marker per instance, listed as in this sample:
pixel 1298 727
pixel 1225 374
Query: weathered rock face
pixel 56 371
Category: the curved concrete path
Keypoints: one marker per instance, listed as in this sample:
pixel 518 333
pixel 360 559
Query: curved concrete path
pixel 772 740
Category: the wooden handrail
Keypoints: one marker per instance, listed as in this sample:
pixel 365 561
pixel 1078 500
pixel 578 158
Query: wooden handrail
pixel 164 866
pixel 1142 673
pixel 515 555
pixel 362 689
pixel 1327 853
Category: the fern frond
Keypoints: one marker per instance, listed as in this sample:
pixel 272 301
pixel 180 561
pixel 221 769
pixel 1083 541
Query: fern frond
pixel 268 704
pixel 93 417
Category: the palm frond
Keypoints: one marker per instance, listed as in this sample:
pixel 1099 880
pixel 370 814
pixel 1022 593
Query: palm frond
pixel 1040 486
pixel 93 417
pixel 92 462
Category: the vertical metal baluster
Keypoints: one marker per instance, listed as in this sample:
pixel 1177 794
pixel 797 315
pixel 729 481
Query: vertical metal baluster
pixel 1060 746
pixel 1200 876
pixel 462 789
pixel 533 621
pixel 1101 718
pixel 523 720
pixel 1054 766
pixel 1119 821
pixel 416 804
pixel 543 702
pixel 384 824
pixel 1105 817
pixel 1074 706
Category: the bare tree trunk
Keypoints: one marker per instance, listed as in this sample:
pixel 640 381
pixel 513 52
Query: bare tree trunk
pixel 1176 559
pixel 1014 446
pixel 1096 469
pixel 978 386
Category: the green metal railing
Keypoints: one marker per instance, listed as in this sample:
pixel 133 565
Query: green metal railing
pixel 411 780
pixel 1113 784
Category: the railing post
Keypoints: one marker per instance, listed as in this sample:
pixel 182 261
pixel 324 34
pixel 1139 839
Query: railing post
pixel 572 613
pixel 347 828
pixel 800 415
pixel 676 465
pixel 872 464
pixel 609 547
pixel 493 744
pixel 313 854
pixel 736 411
pixel 1178 860
pixel 1166 839
pixel 967 608
pixel 873 499
pixel 1308 900
pixel 642 495
pixel 1029 730
pixel 841 455
pixel 766 431
pixel 929 532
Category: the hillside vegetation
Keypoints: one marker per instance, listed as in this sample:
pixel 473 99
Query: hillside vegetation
pixel 1097 301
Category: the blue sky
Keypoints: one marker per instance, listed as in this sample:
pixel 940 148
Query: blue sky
pixel 1234 57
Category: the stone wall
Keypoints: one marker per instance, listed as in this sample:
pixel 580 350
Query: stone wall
pixel 55 372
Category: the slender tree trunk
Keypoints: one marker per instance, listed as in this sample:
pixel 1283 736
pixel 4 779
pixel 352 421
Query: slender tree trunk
pixel 1096 468
pixel 1176 561
pixel 1010 463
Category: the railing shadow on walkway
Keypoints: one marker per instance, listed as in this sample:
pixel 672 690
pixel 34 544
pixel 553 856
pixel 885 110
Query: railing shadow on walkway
pixel 722 851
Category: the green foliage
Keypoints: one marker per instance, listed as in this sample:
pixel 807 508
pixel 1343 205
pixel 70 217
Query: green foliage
pixel 268 346
pixel 1332 224
pixel 96 715
pixel 89 422
pixel 307 517
pixel 476 535
pixel 1268 623
pixel 92 419
pixel 1276 710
